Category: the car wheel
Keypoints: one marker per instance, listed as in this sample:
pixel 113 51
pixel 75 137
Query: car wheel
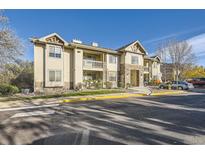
pixel 160 87
pixel 180 88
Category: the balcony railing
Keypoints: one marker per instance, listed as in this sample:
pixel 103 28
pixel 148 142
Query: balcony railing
pixel 92 64
pixel 146 69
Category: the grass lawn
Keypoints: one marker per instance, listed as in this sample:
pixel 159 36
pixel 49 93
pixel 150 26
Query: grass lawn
pixel 79 93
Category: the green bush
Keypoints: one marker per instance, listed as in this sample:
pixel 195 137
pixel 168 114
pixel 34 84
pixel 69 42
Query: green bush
pixel 98 84
pixel 128 85
pixel 6 89
pixel 108 84
pixel 121 84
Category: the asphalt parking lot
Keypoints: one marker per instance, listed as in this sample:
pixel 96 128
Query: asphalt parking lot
pixel 172 119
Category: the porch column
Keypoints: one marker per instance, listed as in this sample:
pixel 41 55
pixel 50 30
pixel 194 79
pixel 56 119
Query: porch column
pixel 104 68
pixel 78 66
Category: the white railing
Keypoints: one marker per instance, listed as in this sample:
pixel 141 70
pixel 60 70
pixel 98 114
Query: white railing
pixel 146 69
pixel 92 64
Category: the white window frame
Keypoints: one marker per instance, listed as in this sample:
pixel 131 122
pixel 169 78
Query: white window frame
pixel 112 59
pixel 55 76
pixel 133 60
pixel 155 64
pixel 55 53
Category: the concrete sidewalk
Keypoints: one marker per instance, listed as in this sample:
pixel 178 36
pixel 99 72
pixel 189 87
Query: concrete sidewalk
pixel 73 99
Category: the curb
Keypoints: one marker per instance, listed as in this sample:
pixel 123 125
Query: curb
pixel 168 93
pixel 94 98
pixel 100 98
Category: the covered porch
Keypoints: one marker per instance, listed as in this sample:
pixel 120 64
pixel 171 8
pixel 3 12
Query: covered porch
pixel 92 75
pixel 134 78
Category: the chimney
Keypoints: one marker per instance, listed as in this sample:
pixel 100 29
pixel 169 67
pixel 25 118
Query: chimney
pixel 94 44
pixel 77 41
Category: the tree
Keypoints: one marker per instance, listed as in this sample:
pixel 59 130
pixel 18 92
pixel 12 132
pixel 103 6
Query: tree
pixel 163 54
pixel 20 74
pixel 179 54
pixel 11 46
pixel 194 72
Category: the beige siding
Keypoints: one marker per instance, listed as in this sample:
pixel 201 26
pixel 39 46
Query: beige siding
pixel 110 66
pixel 78 66
pixel 129 55
pixel 113 68
pixel 53 63
pixel 38 67
pixel 67 67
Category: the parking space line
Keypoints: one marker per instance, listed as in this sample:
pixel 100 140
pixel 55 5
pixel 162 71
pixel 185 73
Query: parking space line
pixel 85 137
pixel 29 107
pixel 34 113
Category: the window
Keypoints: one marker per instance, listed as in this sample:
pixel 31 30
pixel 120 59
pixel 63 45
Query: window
pixel 51 76
pixel 58 76
pixel 155 65
pixel 55 51
pixel 55 76
pixel 134 60
pixel 112 59
pixel 112 76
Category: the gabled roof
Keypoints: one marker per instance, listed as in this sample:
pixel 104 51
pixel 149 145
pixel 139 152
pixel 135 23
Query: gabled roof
pixel 156 57
pixel 153 58
pixel 43 39
pixel 124 48
pixel 52 34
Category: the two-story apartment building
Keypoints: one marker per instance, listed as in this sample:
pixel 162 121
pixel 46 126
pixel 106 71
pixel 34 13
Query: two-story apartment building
pixel 62 65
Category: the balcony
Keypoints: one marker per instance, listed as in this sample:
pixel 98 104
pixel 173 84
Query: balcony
pixel 146 69
pixel 92 64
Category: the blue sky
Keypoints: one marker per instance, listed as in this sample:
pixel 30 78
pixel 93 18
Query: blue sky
pixel 112 28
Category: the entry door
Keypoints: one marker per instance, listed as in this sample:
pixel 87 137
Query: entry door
pixel 134 78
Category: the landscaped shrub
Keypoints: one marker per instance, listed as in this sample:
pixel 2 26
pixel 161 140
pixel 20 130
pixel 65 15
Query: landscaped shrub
pixel 79 86
pixel 121 84
pixel 98 84
pixel 108 84
pixel 128 85
pixel 6 89
pixel 93 84
pixel 87 84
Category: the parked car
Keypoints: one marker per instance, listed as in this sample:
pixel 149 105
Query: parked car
pixel 197 82
pixel 182 85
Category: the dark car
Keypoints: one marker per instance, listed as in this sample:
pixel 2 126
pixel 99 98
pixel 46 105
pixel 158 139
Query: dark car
pixel 197 82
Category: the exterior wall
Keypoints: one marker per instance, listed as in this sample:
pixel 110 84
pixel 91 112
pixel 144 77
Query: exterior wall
pixel 126 67
pixel 52 63
pixel 43 63
pixel 112 68
pixel 129 55
pixel 156 71
pixel 78 67
pixel 39 51
pixel 67 68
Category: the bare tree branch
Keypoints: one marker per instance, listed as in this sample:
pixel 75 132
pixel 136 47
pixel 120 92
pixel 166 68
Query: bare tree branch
pixel 11 46
pixel 178 53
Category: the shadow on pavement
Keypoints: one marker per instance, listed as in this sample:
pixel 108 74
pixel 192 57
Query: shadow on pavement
pixel 147 120
pixel 73 139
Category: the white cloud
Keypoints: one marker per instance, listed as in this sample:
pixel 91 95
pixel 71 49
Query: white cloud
pixel 198 46
pixel 173 35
